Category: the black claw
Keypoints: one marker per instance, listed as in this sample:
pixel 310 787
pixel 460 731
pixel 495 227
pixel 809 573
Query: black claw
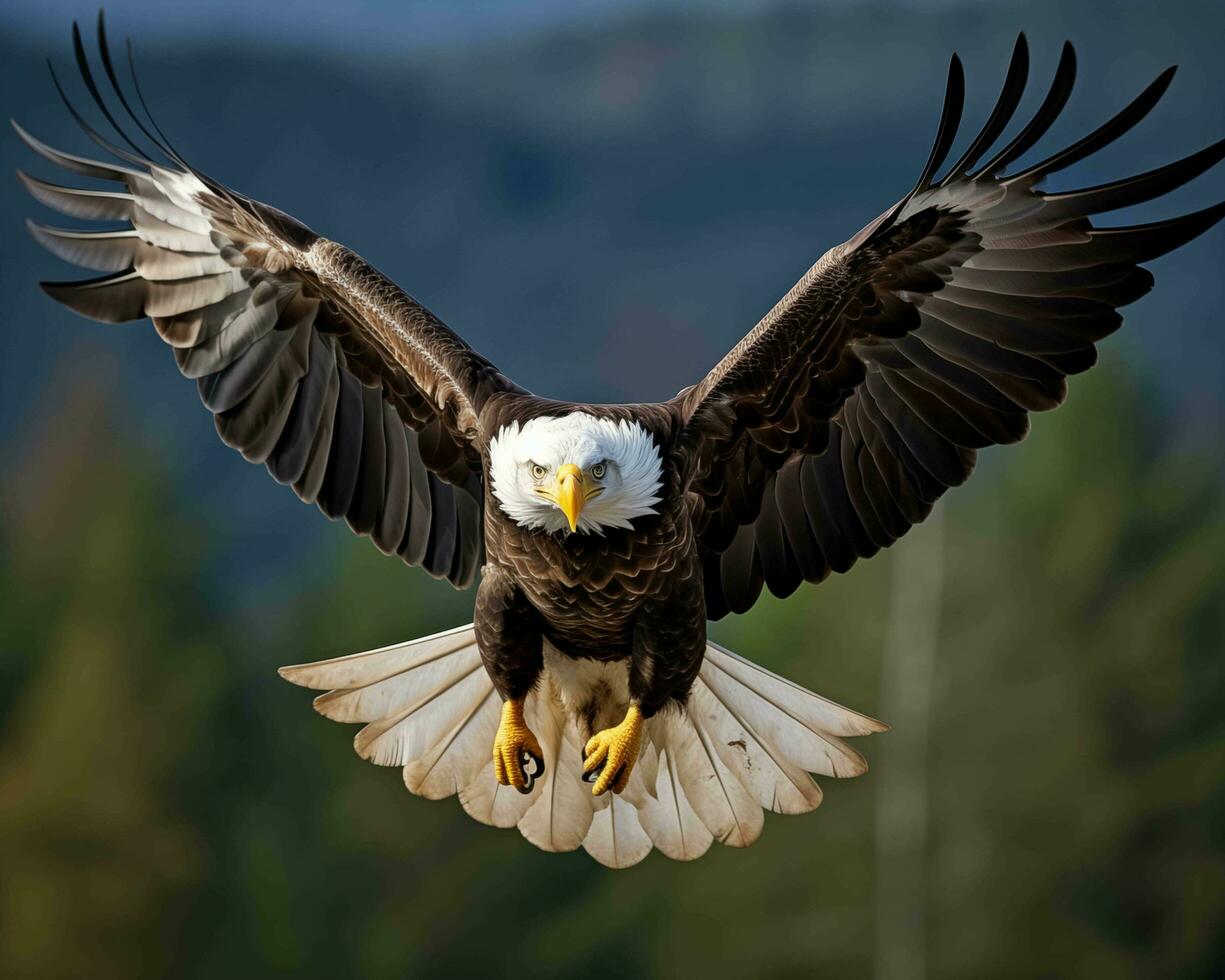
pixel 533 768
pixel 591 777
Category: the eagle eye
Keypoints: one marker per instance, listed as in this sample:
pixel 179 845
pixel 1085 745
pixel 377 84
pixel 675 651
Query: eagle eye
pixel 538 471
pixel 598 470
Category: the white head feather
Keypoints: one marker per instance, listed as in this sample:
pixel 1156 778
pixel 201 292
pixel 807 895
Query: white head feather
pixel 631 466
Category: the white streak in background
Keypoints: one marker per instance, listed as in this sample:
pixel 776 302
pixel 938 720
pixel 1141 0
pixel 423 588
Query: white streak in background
pixel 908 665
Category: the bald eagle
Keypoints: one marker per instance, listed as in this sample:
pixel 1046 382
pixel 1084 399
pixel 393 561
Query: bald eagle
pixel 606 536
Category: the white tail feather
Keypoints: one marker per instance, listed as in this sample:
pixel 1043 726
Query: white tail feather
pixel 560 817
pixel 776 783
pixel 490 802
pixel 616 838
pixel 746 740
pixel 815 712
pixel 670 820
pixel 451 763
pixel 410 734
pixel 398 693
pixel 716 794
pixel 769 705
pixel 361 669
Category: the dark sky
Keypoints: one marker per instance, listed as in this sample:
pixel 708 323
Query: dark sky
pixel 371 25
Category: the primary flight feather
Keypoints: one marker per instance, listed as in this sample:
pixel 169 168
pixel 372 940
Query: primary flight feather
pixel 607 535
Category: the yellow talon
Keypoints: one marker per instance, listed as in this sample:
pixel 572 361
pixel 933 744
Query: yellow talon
pixel 517 758
pixel 612 753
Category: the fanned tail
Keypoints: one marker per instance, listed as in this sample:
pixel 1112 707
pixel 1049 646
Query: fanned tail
pixel 428 706
pixel 745 742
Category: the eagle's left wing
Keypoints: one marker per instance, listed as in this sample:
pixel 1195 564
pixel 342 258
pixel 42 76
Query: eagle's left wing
pixel 841 418
pixel 311 361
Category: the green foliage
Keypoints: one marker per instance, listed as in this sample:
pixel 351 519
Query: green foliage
pixel 169 807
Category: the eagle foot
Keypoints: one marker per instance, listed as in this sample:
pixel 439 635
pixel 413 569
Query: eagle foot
pixel 517 758
pixel 612 753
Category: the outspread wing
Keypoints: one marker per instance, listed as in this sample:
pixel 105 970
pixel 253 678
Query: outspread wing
pixel 310 360
pixel 836 424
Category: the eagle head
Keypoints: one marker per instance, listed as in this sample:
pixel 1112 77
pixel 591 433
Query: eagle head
pixel 575 473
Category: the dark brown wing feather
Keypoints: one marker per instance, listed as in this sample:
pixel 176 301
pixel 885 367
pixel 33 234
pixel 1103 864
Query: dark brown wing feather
pixel 841 418
pixel 311 361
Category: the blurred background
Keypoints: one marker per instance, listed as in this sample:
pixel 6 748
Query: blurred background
pixel 602 198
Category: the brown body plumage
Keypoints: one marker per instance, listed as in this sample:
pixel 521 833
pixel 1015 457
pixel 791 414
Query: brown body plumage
pixel 633 594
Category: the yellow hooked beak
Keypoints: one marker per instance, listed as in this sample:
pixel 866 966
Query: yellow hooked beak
pixel 569 493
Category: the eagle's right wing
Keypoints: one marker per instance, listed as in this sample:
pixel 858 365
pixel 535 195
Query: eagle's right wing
pixel 311 361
